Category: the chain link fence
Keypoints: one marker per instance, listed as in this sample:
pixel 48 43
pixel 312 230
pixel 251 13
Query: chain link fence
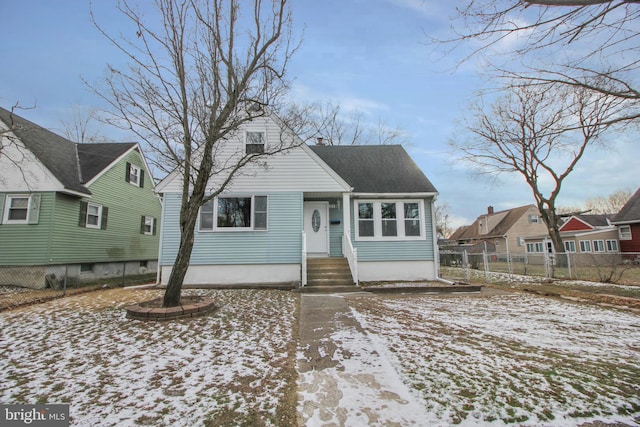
pixel 620 268
pixel 28 284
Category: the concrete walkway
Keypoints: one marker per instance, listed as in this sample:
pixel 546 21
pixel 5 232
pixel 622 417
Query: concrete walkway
pixel 346 378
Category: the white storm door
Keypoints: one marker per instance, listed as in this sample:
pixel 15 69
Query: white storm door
pixel 316 227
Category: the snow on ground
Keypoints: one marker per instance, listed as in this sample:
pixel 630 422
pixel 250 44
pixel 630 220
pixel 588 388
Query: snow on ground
pixel 510 359
pixel 231 366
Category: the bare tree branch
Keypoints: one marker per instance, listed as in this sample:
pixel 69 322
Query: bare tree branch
pixel 194 79
pixel 539 135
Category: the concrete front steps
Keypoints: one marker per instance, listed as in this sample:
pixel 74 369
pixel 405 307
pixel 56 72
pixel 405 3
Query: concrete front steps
pixel 329 275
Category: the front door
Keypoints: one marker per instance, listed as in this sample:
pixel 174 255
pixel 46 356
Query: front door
pixel 316 222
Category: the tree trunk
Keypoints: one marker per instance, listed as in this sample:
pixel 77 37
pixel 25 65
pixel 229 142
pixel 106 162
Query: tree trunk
pixel 181 264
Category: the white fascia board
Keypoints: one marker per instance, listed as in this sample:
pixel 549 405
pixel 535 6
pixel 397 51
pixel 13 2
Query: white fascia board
pixel 167 180
pixel 395 195
pixel 626 222
pixel 344 184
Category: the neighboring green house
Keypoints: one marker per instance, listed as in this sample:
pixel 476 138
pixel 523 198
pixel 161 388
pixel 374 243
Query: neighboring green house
pixel 86 212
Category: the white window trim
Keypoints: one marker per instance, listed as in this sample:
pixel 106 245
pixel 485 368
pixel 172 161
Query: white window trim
pixel 135 168
pixel 153 220
pixel 87 225
pixel 377 220
pixel 597 243
pixel 217 229
pixel 624 235
pixel 571 249
pixel 7 207
pixel 607 245
pixel 246 139
pixel 584 243
pixel 536 248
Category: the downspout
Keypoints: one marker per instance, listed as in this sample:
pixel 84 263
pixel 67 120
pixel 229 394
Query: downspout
pixel 159 266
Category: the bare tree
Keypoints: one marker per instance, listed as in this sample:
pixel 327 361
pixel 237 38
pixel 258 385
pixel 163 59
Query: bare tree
pixel 540 135
pixel 11 151
pixel 587 43
pixel 338 128
pixel 610 204
pixel 82 129
pixel 443 226
pixel 194 79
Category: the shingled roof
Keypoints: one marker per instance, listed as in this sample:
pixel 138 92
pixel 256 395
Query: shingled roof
pixel 630 212
pixel 72 164
pixel 375 168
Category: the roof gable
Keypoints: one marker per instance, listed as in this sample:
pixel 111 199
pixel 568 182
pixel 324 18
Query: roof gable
pixel 94 158
pixel 375 168
pixel 73 164
pixel 508 219
pixel 630 212
pixel 56 153
pixel 575 224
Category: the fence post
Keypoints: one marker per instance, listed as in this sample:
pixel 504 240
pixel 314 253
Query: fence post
pixel 568 263
pixel 66 278
pixel 485 261
pixel 547 264
pixel 124 268
pixel 465 263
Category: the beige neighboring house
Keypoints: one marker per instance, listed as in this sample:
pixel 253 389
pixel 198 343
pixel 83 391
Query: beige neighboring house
pixel 581 234
pixel 502 232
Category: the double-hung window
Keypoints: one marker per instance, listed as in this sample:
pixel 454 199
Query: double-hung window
pixel 598 245
pixel 254 142
pixel 365 219
pixel 535 247
pixel 134 175
pixel 585 246
pixel 389 220
pixel 93 215
pixel 234 214
pixel 569 246
pixel 612 245
pixel 94 212
pixel 147 225
pixel 17 209
pixel 624 232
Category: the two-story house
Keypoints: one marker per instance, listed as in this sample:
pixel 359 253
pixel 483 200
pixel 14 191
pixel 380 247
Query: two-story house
pixel 75 212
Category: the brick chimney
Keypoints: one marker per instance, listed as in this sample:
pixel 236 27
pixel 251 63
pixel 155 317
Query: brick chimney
pixel 490 210
pixel 320 141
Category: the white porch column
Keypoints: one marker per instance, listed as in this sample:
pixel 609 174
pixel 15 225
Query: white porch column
pixel 346 213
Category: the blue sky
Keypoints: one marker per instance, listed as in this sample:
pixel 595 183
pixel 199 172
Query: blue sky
pixel 367 55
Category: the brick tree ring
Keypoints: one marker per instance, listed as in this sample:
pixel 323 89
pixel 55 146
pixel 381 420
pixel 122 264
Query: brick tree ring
pixel 190 306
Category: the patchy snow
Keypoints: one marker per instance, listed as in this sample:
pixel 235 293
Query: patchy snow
pixel 510 359
pixel 471 360
pixel 363 389
pixel 113 371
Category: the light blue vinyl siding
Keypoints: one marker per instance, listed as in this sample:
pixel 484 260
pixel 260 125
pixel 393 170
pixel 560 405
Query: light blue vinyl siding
pixel 335 231
pixel 280 244
pixel 398 250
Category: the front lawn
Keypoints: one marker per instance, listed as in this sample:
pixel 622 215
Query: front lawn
pixel 233 367
pixel 513 359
